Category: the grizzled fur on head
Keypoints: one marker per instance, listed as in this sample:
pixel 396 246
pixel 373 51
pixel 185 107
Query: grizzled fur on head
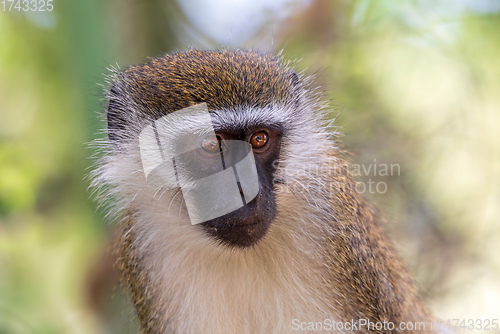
pixel 222 79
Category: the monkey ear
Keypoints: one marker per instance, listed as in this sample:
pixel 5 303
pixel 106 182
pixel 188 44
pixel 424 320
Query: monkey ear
pixel 296 85
pixel 295 78
pixel 116 113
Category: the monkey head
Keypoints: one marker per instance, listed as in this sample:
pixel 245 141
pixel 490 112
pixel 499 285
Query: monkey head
pixel 203 137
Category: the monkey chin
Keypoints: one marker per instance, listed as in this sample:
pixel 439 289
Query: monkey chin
pixel 244 227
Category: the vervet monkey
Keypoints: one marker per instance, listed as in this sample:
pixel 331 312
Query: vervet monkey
pixel 271 242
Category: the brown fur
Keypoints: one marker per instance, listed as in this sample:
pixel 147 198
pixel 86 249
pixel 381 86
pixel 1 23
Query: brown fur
pixel 221 79
pixel 374 282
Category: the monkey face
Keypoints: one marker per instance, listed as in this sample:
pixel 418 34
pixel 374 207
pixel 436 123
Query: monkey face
pixel 246 225
pixel 259 121
pixel 226 177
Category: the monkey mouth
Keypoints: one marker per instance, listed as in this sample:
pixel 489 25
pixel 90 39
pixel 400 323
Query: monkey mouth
pixel 235 234
pixel 244 227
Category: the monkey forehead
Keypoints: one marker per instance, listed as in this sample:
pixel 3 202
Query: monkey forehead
pixel 222 79
pixel 279 117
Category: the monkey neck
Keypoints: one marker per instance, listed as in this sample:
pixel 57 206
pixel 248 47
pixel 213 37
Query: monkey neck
pixel 310 266
pixel 216 289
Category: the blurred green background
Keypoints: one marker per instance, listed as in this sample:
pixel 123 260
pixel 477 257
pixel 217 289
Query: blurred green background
pixel 414 83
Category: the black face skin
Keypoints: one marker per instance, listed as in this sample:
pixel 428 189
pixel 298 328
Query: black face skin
pixel 247 225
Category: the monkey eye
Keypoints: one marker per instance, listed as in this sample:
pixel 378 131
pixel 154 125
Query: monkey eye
pixel 259 139
pixel 212 144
